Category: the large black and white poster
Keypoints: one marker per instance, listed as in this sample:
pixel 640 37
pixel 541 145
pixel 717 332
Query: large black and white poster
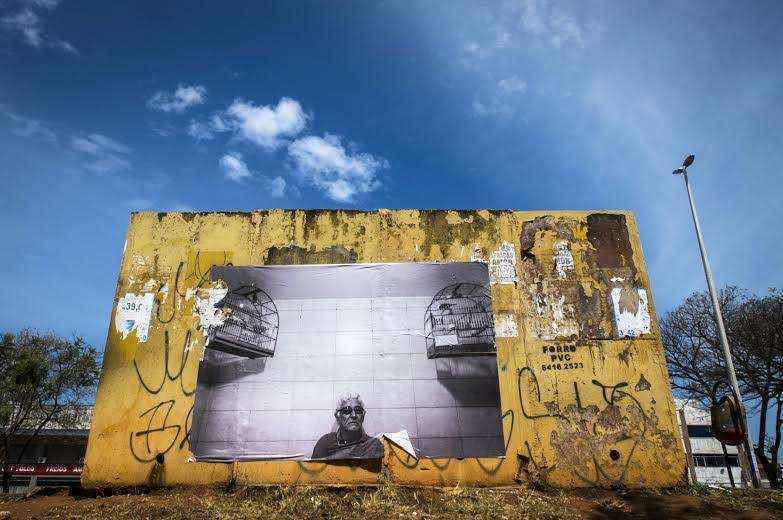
pixel 323 361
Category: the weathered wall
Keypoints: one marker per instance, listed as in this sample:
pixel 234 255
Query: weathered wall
pixel 584 388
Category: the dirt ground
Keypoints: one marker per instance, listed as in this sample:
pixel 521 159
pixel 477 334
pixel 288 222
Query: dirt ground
pixel 389 501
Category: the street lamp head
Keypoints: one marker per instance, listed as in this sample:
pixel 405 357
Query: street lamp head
pixel 688 161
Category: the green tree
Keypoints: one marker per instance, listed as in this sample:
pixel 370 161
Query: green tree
pixel 45 380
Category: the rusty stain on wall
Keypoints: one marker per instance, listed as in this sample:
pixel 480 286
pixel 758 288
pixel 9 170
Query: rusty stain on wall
pixel 584 402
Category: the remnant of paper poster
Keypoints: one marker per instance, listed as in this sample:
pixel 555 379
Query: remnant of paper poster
pixel 133 314
pixel 503 265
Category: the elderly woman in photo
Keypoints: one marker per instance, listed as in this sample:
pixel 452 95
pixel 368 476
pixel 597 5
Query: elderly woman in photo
pixel 350 441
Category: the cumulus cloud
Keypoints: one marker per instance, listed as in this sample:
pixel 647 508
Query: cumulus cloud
pixel 326 163
pixel 267 126
pixel 234 167
pixel 103 154
pixel 200 131
pixel 179 100
pixel 275 187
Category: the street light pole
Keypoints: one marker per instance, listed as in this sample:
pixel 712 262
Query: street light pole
pixel 719 318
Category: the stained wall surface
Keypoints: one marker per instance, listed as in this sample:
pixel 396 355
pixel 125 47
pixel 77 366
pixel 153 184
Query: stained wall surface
pixel 584 390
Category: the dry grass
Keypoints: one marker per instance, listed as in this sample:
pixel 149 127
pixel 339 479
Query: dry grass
pixel 390 501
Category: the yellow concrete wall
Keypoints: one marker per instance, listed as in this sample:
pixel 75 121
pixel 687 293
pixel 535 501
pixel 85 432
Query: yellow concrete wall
pixel 605 417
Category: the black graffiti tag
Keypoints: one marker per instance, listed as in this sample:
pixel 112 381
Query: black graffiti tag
pixel 154 427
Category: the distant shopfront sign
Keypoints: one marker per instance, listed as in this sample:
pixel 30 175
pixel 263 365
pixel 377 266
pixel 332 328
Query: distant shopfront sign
pixel 46 469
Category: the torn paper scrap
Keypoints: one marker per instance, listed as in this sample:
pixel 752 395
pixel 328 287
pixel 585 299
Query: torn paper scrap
pixel 631 315
pixel 506 326
pixel 133 314
pixel 402 440
pixel 502 264
pixel 564 261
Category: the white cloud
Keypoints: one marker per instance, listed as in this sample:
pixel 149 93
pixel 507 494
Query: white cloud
pixel 530 24
pixel 179 100
pixel 551 23
pixel 44 4
pixel 206 130
pixel 328 166
pixel 503 100
pixel 33 128
pixel 513 84
pixel 200 131
pixel 234 167
pixel 237 170
pixel 29 25
pixel 266 126
pixel 26 23
pixel 103 153
pixel 276 187
pixel 495 107
pixel 65 47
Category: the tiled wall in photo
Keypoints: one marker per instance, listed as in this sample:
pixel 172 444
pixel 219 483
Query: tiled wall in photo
pixel 374 347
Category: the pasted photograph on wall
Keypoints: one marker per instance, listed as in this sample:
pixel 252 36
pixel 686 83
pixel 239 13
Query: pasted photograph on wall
pixel 324 361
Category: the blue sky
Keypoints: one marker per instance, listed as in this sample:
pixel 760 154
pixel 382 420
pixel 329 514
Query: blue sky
pixel 108 107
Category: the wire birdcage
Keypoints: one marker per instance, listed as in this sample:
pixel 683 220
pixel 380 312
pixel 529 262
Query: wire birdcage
pixel 251 324
pixel 459 322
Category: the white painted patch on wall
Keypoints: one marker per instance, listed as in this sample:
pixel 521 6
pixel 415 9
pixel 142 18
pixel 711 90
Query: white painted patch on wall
pixel 631 313
pixel 133 314
pixel 208 313
pixel 502 264
pixel 506 326
pixel 564 261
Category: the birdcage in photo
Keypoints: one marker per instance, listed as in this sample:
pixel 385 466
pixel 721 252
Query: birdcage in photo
pixel 251 324
pixel 458 322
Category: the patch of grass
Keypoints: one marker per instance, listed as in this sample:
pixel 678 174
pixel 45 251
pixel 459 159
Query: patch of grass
pixel 396 502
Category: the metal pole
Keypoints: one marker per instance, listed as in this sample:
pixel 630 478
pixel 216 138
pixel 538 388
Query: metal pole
pixel 721 330
pixel 728 466
pixel 686 439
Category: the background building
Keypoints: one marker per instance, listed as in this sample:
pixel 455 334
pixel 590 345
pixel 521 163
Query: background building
pixel 708 459
pixel 54 457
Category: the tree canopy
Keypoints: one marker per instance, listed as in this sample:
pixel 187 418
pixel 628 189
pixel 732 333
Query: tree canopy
pixel 754 327
pixel 45 380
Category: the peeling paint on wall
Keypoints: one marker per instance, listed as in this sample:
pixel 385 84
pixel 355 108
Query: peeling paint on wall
pixel 579 406
pixel 503 264
pixel 133 314
pixel 506 326
pixel 631 316
pixel 476 254
pixel 556 317
pixel 206 309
